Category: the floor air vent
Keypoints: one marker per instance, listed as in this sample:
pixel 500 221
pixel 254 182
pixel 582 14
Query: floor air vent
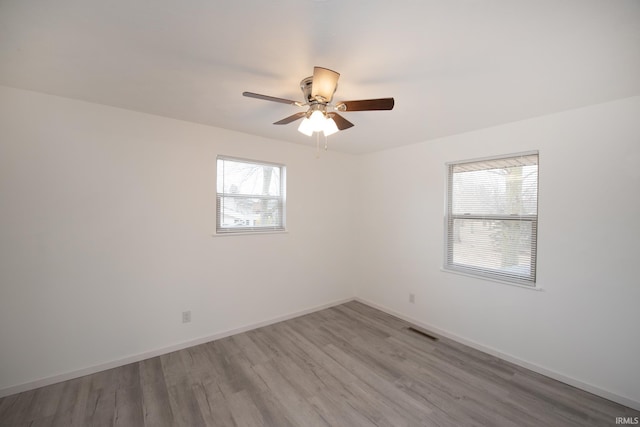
pixel 423 333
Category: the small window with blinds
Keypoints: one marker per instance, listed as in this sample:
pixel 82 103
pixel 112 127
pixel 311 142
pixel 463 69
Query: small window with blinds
pixel 250 196
pixel 492 218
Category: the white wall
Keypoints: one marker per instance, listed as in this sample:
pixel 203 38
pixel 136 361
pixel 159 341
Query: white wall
pixel 106 222
pixel 584 325
pixel 106 218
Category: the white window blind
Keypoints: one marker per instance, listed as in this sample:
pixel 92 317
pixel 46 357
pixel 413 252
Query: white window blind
pixel 492 218
pixel 250 196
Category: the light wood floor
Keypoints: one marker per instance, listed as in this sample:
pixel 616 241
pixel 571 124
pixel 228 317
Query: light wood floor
pixel 349 365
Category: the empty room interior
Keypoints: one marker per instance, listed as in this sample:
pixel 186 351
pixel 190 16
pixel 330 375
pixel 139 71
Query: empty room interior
pixel 319 212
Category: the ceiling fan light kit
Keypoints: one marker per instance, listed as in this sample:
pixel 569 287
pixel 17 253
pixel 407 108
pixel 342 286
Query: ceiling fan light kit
pixel 322 115
pixel 316 120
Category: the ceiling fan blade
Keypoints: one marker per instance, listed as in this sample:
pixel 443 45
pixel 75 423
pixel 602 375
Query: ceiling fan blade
pixel 291 118
pixel 366 105
pixel 325 82
pixel 270 98
pixel 341 122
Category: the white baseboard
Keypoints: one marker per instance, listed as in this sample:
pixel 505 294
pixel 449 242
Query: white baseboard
pixel 606 394
pixel 7 391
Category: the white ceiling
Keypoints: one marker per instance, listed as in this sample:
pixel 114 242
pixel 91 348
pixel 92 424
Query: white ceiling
pixel 452 65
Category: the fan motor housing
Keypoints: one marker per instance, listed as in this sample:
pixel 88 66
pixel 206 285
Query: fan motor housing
pixel 306 86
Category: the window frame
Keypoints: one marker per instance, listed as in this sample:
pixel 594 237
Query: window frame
pixel 281 199
pixel 449 217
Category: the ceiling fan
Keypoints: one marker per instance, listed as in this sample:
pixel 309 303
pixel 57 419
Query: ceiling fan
pixel 322 114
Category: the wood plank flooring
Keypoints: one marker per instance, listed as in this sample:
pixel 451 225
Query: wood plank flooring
pixel 349 365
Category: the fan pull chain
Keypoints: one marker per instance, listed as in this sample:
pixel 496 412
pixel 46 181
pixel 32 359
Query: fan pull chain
pixel 317 145
pixel 326 145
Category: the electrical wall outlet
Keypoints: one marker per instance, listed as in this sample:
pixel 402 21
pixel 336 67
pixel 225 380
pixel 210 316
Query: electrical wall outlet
pixel 412 298
pixel 186 316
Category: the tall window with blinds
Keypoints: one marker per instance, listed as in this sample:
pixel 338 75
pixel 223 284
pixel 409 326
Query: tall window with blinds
pixel 492 218
pixel 250 196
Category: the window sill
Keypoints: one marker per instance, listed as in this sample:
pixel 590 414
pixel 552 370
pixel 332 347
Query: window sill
pixel 249 233
pixel 489 279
